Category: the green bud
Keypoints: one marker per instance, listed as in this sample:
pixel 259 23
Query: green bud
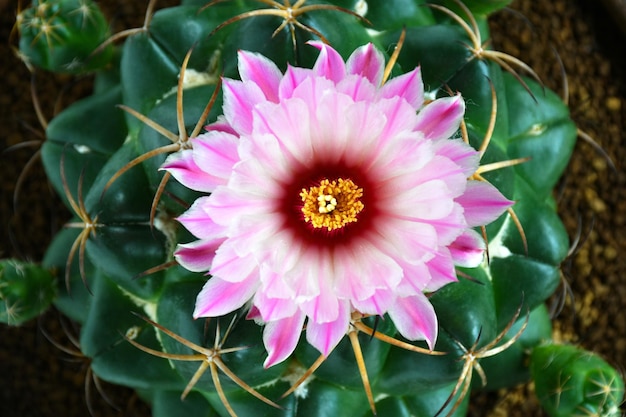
pixel 26 291
pixel 570 381
pixel 61 35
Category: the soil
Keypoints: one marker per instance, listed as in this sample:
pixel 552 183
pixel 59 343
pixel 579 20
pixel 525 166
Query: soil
pixel 575 40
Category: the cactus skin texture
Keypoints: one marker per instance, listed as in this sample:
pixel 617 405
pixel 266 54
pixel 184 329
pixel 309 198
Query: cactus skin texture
pixel 61 35
pixel 570 381
pixel 117 276
pixel 26 291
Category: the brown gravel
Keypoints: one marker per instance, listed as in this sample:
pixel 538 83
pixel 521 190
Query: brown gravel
pixel 38 379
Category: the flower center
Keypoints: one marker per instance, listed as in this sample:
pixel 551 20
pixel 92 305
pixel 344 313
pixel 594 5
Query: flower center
pixel 332 204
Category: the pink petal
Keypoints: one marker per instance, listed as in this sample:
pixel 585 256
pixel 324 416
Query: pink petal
pixel 197 256
pixel 183 167
pixel 362 267
pixel 196 220
pixel 219 297
pixel 427 201
pixel 258 69
pixel 272 309
pixel 442 271
pixel 378 303
pixel 408 86
pixel 323 308
pixel 367 61
pixel 325 336
pixel 216 152
pixel 289 122
pixel 293 77
pixel 441 118
pixel 415 280
pixel 231 266
pixel 281 337
pixel 329 63
pixel 483 203
pixel 239 100
pixel 415 318
pixel 468 249
pixel 358 88
pixel 462 154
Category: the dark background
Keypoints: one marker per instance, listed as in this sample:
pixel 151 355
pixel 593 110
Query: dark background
pixel 39 379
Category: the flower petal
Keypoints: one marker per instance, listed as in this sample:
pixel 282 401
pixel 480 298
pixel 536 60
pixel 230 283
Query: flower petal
pixel 196 220
pixel 239 101
pixel 280 338
pixel 442 270
pixel 441 118
pixel 325 336
pixel 197 256
pixel 183 167
pixel 272 309
pixel 329 63
pixel 483 203
pixel 468 250
pixel 219 297
pixel 415 318
pixel 216 152
pixel 408 86
pixel 258 69
pixel 368 62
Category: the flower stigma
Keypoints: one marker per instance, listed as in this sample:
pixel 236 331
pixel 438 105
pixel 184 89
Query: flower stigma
pixel 332 204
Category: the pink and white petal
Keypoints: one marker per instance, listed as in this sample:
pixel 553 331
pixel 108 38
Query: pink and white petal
pixel 415 318
pixel 483 203
pixel 216 152
pixel 459 152
pixel 219 297
pixel 363 267
pixel 197 256
pixel 378 303
pixel 182 167
pixel 441 118
pixel 323 308
pixel 325 336
pixel 239 101
pixel 221 125
pixel 329 63
pixel 366 124
pixel 232 267
pixel 272 309
pixel 442 271
pixel 293 77
pixel 197 221
pixel 468 250
pixel 263 72
pixel 415 280
pixel 332 128
pixel 367 61
pixel 227 204
pixel 428 201
pixel 409 241
pixel 280 338
pixel 408 86
pixel 289 122
pixel 358 88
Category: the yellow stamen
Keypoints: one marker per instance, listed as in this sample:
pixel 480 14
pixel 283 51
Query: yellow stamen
pixel 332 204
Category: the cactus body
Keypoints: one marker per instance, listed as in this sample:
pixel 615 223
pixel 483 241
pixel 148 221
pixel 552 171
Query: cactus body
pixel 103 155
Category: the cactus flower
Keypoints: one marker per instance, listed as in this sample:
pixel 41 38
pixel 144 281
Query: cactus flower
pixel 331 192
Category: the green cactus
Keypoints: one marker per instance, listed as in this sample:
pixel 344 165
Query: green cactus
pixel 26 291
pixel 62 36
pixel 103 156
pixel 570 381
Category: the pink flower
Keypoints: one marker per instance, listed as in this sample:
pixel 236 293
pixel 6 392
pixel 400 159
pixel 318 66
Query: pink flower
pixel 331 194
